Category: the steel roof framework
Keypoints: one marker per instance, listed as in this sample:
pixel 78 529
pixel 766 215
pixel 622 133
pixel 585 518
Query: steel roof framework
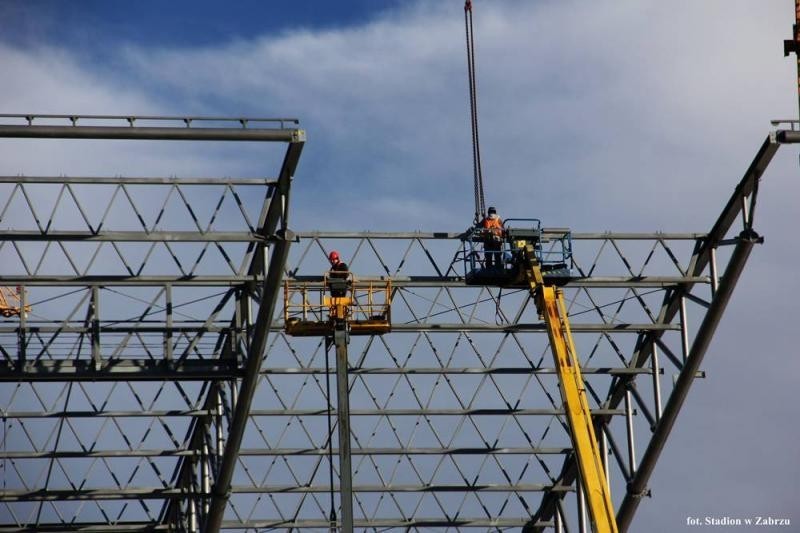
pixel 149 390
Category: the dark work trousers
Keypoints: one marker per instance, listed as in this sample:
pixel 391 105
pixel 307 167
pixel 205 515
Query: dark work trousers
pixel 492 251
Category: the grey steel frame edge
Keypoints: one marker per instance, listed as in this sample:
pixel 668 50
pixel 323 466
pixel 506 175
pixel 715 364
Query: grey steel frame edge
pixel 278 213
pixel 743 199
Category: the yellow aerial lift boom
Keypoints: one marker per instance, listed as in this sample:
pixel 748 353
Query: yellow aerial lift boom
pixel 539 260
pixel 550 305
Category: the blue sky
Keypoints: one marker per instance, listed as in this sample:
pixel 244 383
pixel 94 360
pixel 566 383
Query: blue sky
pixel 628 116
pixel 180 23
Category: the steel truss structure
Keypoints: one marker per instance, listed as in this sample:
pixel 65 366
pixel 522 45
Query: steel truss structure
pixel 152 387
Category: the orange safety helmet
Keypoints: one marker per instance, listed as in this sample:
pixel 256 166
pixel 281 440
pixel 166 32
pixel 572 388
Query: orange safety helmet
pixel 333 256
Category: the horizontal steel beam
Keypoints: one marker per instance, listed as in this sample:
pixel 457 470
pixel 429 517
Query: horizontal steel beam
pixel 521 370
pixel 463 450
pixel 128 280
pixel 153 133
pixel 131 120
pixel 656 235
pixel 299 412
pixel 402 282
pixel 134 236
pixel 788 136
pixel 120 370
pixel 289 524
pixel 92 454
pixel 153 493
pixel 429 412
pixel 588 282
pixel 199 369
pixel 397 328
pixel 122 180
pixel 286 452
pixel 33 327
pixel 393 523
pixel 88 527
pixel 108 414
pixel 532 328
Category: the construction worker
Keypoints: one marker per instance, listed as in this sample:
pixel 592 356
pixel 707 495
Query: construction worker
pixel 492 226
pixel 337 275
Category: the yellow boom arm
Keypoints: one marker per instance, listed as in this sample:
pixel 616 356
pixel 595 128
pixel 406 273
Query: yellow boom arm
pixel 550 304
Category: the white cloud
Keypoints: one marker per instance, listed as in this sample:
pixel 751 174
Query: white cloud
pixel 575 101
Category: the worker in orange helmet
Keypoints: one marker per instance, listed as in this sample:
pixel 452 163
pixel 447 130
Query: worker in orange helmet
pixel 493 233
pixel 338 270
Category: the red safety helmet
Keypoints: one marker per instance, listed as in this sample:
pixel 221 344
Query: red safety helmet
pixel 333 256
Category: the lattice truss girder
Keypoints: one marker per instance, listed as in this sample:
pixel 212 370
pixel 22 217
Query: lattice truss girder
pixel 456 415
pixel 135 391
pixel 144 294
pixel 154 307
pixel 456 418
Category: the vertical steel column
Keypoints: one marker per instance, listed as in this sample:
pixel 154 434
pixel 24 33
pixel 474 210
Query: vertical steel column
pixel 684 329
pixel 242 322
pixel 604 456
pixel 713 267
pixel 656 382
pixel 582 522
pixel 205 472
pixel 192 497
pixel 745 212
pixel 96 327
pixel 629 427
pixel 23 328
pixel 220 440
pixel 234 395
pixel 245 320
pixel 168 332
pixel 343 419
pixel 559 518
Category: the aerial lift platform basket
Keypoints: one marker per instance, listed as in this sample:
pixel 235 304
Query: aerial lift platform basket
pixel 552 247
pixel 11 302
pixel 310 308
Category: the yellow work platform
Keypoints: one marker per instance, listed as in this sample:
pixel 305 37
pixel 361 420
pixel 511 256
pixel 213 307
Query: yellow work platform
pixel 309 310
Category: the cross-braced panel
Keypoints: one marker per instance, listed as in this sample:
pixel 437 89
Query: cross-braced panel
pixel 149 387
pixel 456 417
pixel 138 297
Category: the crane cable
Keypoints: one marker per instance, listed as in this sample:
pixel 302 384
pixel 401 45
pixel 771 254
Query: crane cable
pixel 480 204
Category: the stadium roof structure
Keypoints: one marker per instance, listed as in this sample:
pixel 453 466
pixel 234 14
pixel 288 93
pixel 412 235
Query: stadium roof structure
pixel 151 385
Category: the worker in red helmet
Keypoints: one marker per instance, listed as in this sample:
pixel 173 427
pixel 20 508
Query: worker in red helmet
pixel 493 233
pixel 338 271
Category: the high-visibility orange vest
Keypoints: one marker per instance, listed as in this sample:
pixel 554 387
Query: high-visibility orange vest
pixel 494 225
